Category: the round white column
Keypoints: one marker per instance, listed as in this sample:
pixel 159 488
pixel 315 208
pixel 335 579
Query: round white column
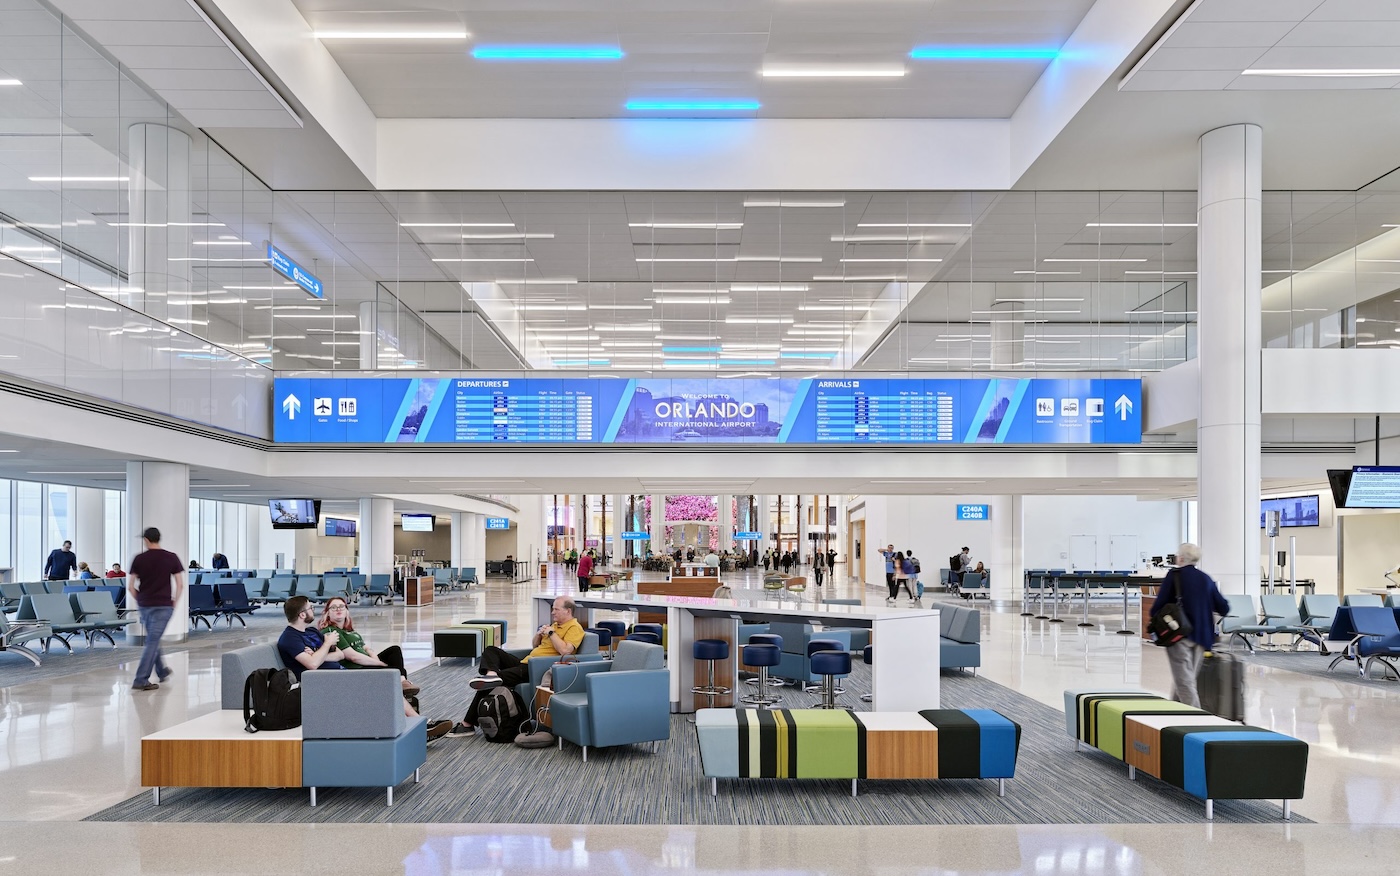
pixel 1228 253
pixel 158 494
pixel 1007 557
pixel 376 536
pixel 726 523
pixel 658 524
pixel 90 531
pixel 458 525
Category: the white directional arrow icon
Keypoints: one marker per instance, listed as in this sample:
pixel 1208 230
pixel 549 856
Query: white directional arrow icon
pixel 1123 406
pixel 291 404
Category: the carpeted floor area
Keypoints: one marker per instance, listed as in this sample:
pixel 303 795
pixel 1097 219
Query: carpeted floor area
pixel 472 780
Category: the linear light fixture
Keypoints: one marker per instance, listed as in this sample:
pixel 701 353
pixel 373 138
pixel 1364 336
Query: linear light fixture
pixel 702 226
pixel 787 203
pixel 792 259
pixel 390 34
pixel 983 53
pixel 546 53
pixel 580 363
pixel 526 281
pixel 10 82
pixel 641 327
pixel 619 307
pixel 877 238
pixel 1050 273
pixel 527 306
pixel 686 260
pixel 759 320
pixel 220 243
pixel 1325 72
pixel 705 106
pixel 811 71
pixel 717 299
pixel 860 278
pixel 456 224
pixel 913 224
pixel 1140 225
pixel 527 235
pixel 527 259
pixel 1164 273
pixel 1130 261
pixel 768 287
pixel 687 338
pixel 896 260
pixel 842 308
pixel 166 224
pixel 68 179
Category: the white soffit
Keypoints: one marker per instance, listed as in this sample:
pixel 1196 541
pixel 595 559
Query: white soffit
pixel 173 47
pixel 1215 41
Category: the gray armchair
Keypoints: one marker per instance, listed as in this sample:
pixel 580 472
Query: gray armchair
pixel 587 653
pixel 354 732
pixel 617 702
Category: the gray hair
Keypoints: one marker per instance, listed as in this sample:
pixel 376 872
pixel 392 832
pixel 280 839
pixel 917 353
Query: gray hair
pixel 1188 554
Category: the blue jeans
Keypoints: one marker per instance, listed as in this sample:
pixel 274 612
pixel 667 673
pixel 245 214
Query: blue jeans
pixel 154 618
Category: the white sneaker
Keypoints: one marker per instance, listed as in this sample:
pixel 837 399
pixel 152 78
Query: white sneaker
pixel 889 602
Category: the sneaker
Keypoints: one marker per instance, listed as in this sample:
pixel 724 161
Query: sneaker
pixel 147 686
pixel 460 729
pixel 166 674
pixel 438 729
pixel 889 602
pixel 485 682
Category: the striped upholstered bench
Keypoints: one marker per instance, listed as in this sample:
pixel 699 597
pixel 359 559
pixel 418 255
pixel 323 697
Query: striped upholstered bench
pixel 1188 748
pixel 836 744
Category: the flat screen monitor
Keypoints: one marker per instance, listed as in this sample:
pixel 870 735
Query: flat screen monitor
pixel 1374 486
pixel 417 523
pixel 1292 510
pixel 294 513
pixel 1339 479
pixel 340 527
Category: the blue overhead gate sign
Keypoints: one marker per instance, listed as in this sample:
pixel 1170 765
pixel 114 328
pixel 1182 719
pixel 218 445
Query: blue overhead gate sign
pixel 974 512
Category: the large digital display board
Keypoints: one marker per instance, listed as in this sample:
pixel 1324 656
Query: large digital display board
pixel 706 411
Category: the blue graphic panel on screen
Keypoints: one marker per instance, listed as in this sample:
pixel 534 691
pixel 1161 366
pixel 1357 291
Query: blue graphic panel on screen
pixel 283 264
pixel 291 403
pixel 1065 411
pixel 700 411
pixel 1122 419
pixel 327 427
pixel 363 409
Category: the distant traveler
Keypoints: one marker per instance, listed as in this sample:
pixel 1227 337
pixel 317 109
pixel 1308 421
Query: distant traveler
pixel 218 561
pixel 84 572
pixel 116 571
pixel 1195 592
pixel 155 583
pixel 61 563
pixel 912 573
pixel 585 569
pixel 818 567
pixel 888 554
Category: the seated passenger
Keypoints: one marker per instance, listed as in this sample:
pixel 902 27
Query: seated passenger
pixel 116 571
pixel 84 572
pixel 559 638
pixel 335 616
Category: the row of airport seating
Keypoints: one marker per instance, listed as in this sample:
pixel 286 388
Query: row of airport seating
pixel 47 617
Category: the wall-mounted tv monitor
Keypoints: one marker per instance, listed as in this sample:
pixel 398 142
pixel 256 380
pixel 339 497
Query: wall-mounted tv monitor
pixel 1292 510
pixel 1366 486
pixel 417 523
pixel 340 527
pixel 294 513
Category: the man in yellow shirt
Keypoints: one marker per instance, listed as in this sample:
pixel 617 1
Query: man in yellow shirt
pixel 559 638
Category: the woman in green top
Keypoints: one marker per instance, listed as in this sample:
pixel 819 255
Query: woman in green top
pixel 336 616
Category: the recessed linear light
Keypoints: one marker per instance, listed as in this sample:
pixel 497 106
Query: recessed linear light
pixel 390 34
pixel 793 259
pixel 546 53
pixel 759 320
pixel 527 259
pixel 1140 225
pixel 983 53
pixel 10 82
pixel 619 307
pixel 220 243
pixel 68 179
pixel 844 308
pixel 718 299
pixel 527 306
pixel 769 287
pixel 1130 261
pixel 913 224
pixel 786 203
pixel 704 106
pixel 879 238
pixel 860 278
pixel 217 486
pixel 1325 72
pixel 644 327
pixel 1050 273
pixel 525 281
pixel 700 226
pixel 800 71
pixel 687 260
pixel 120 473
pixel 687 338
pixel 505 235
pixel 897 260
pixel 456 224
pixel 1163 273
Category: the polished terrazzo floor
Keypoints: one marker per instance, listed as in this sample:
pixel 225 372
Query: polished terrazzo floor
pixel 70 747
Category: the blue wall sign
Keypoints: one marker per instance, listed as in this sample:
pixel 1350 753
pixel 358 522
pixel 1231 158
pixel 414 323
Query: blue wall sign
pixel 974 512
pixel 748 536
pixel 498 523
pixel 293 271
pixel 635 536
pixel 445 410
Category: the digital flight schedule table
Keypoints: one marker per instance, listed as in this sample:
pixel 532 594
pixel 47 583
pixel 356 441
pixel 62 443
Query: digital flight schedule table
pixel 882 411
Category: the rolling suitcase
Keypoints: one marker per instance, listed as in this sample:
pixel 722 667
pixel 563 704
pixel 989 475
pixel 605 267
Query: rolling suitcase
pixel 1220 685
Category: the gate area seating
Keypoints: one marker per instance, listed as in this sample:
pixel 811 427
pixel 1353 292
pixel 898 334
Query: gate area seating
pixel 837 744
pixel 1204 755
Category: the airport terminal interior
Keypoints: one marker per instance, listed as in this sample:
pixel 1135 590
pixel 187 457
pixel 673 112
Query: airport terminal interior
pixel 854 371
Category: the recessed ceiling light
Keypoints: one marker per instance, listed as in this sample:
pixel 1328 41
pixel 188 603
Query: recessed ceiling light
pixel 390 34
pixel 526 281
pixel 687 338
pixel 702 226
pixel 1140 225
pixel 983 53
pixel 717 299
pixel 505 235
pixel 546 53
pixel 895 260
pixel 68 179
pixel 1132 261
pixel 456 224
pixel 860 278
pixel 1325 72
pixel 527 259
pixel 10 82
pixel 706 106
pixel 687 260
pixel 759 320
pixel 800 71
pixel 790 203
pixel 769 287
pixel 846 308
pixel 619 307
pixel 913 224
pixel 220 243
pixel 794 259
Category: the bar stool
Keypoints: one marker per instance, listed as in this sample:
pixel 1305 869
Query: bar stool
pixel 766 639
pixel 830 664
pixel 710 651
pixel 762 655
pixel 604 639
pixel 650 628
pixel 616 627
pixel 645 638
pixel 869 656
pixel 813 647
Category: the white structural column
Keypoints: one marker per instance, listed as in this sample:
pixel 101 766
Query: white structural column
pixel 158 229
pixel 580 509
pixel 765 522
pixel 376 536
pixel 1228 254
pixel 459 527
pixel 473 542
pixel 617 524
pixel 90 531
pixel 658 524
pixel 1007 561
pixel 158 494
pixel 726 523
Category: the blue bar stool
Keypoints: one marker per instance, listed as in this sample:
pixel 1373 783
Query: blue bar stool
pixel 762 655
pixel 617 628
pixel 869 656
pixel 766 639
pixel 650 628
pixel 645 638
pixel 604 639
pixel 813 647
pixel 830 664
pixel 710 651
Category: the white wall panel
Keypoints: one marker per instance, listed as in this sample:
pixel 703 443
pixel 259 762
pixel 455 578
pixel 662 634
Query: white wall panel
pixel 1051 521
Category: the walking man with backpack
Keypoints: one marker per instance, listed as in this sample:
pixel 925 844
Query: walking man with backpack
pixel 560 637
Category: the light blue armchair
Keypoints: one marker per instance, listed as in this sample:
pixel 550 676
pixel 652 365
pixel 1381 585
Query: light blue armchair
pixel 587 653
pixel 354 732
pixel 617 702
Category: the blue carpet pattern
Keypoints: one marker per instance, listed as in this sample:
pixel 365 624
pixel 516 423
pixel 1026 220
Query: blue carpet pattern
pixel 472 780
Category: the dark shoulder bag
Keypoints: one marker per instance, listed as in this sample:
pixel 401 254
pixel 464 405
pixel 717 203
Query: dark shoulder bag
pixel 1170 624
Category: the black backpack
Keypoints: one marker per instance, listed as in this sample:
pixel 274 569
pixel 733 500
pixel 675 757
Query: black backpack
pixel 955 563
pixel 499 714
pixel 917 567
pixel 271 700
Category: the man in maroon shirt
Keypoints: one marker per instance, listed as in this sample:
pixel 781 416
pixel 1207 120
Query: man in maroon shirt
pixel 154 581
pixel 585 569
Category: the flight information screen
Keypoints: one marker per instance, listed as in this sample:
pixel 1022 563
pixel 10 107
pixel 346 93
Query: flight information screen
pixel 703 411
